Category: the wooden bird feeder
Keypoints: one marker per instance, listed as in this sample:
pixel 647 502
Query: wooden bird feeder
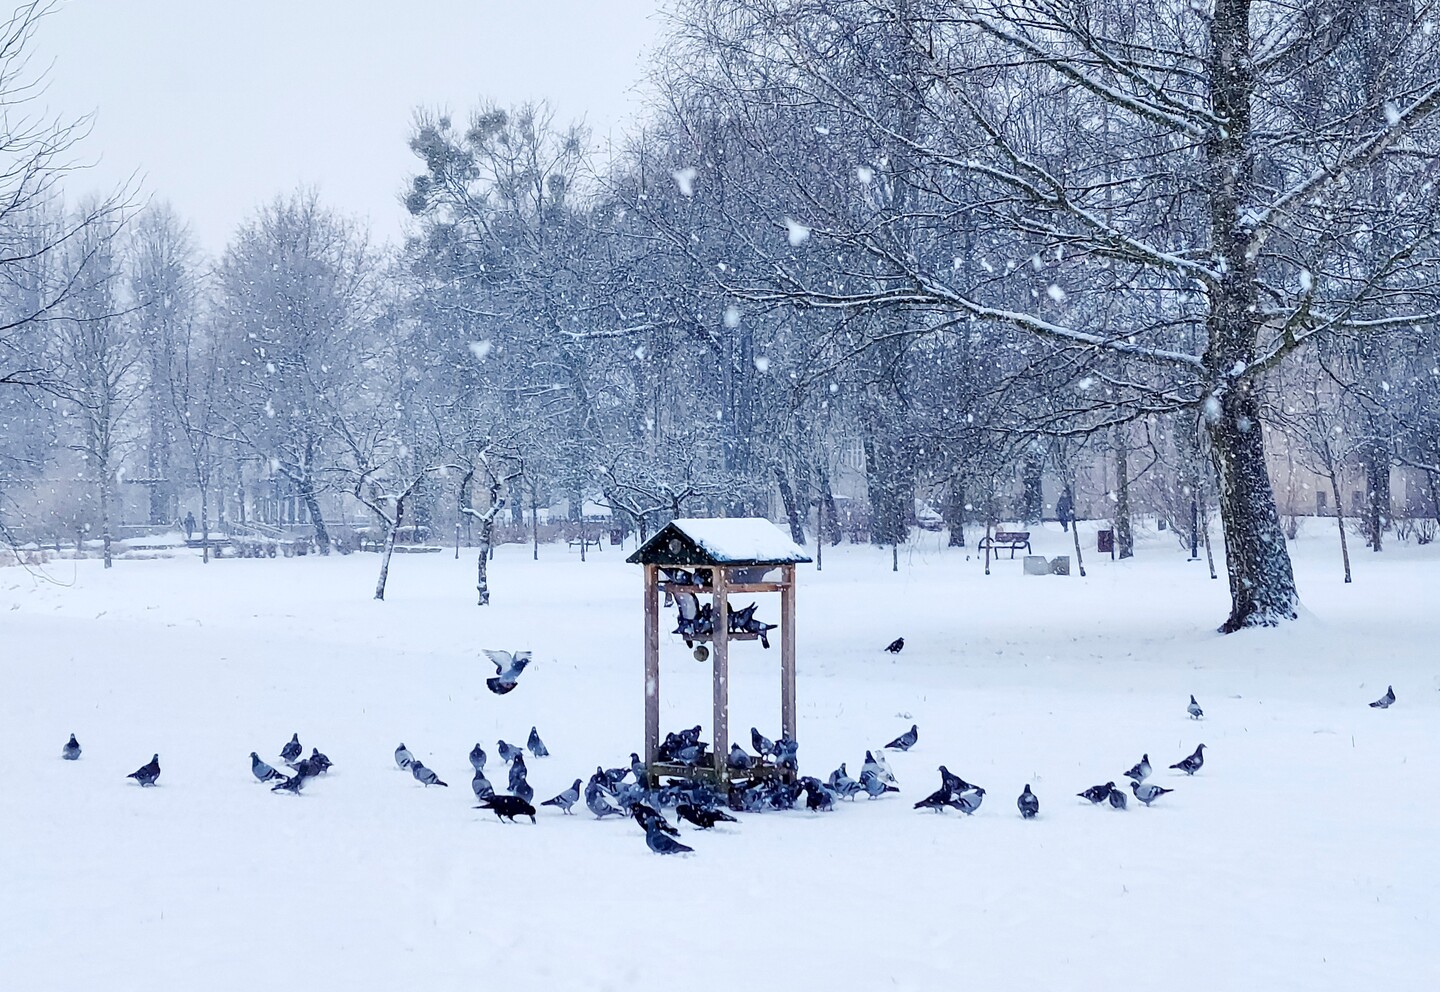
pixel 739 555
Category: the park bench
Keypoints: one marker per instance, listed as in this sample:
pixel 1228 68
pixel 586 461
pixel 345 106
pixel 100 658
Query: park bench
pixel 584 543
pixel 1014 540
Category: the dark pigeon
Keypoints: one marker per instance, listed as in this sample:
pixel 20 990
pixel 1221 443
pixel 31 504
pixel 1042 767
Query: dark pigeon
pixel 481 786
pixel 739 759
pixel 424 775
pixel 1139 771
pixel 703 818
pixel 906 740
pixel 953 782
pixel 71 750
pixel 1385 701
pixel 1194 709
pixel 896 646
pixel 403 757
pixel 1192 764
pixel 650 818
pixel 938 800
pixel 320 762
pixel 1147 793
pixel 291 785
pixel 477 758
pixel 662 843
pixel 1098 793
pixel 1117 798
pixel 566 799
pixel 637 767
pixel 508 807
pixel 261 770
pixel 147 774
pixel 507 670
pixel 1028 804
pixel 818 799
pixel 761 744
pixel 536 745
pixel 787 754
pixel 291 752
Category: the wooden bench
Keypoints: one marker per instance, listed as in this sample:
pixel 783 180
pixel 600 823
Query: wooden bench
pixel 585 542
pixel 1014 540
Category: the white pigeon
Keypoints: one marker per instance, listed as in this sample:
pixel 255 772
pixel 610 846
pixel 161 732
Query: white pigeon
pixel 403 757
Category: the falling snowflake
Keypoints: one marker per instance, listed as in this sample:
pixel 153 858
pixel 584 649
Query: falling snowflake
pixel 732 316
pixel 480 349
pixel 1307 281
pixel 865 174
pixel 797 232
pixel 1055 293
pixel 685 180
pixel 762 364
pixel 1392 114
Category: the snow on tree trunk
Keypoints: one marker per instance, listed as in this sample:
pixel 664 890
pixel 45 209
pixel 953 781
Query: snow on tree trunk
pixel 105 515
pixel 205 524
pixel 322 536
pixel 792 508
pixel 1339 515
pixel 1124 534
pixel 482 576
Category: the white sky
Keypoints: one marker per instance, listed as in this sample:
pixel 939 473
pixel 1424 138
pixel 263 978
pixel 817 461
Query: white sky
pixel 220 105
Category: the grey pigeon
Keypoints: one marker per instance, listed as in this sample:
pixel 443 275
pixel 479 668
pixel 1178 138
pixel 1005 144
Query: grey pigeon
pixel 787 754
pixel 403 757
pixel 536 745
pixel 1192 764
pixel 874 786
pixel 566 799
pixel 292 751
pixel 1147 793
pixel 147 774
pixel 71 750
pixel 970 801
pixel 424 775
pixel 261 770
pixel 596 803
pixel 1385 701
pixel 477 758
pixel 1194 709
pixel 507 670
pixel 508 807
pixel 662 843
pixel 739 759
pixel 291 785
pixel 843 785
pixel 637 767
pixel 1028 804
pixel 518 785
pixel 1098 793
pixel 1117 798
pixel 876 765
pixel 481 786
pixel 906 740
pixel 760 743
pixel 508 752
pixel 1139 771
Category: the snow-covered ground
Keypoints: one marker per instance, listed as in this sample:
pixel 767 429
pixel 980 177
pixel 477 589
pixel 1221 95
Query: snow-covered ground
pixel 1301 857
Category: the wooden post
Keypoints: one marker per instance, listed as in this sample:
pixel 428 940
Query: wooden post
pixel 720 717
pixel 787 652
pixel 652 665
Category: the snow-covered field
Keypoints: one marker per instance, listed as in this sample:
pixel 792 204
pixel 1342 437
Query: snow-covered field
pixel 1301 857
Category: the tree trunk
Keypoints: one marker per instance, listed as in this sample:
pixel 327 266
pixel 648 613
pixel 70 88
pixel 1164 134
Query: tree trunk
pixel 1124 536
pixel 205 524
pixel 322 536
pixel 954 513
pixel 482 560
pixel 394 526
pixel 1377 493
pixel 1262 584
pixel 1339 515
pixel 105 515
pixel 792 509
pixel 827 499
pixel 1032 486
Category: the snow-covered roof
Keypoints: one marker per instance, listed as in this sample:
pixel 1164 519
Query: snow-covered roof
pixel 719 541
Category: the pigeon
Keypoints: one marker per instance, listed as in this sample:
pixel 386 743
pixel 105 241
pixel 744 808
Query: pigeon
pixel 320 762
pixel 648 817
pixel 291 785
pixel 842 784
pixel 876 765
pixel 637 767
pixel 906 740
pixel 1147 793
pixel 953 782
pixel 306 768
pixel 292 751
pixel 938 800
pixel 613 778
pixel 786 752
pixel 477 758
pixel 596 802
pixel 518 785
pixel 817 798
pixel 1194 709
pixel 1117 798
pixel 424 775
pixel 566 799
pixel 507 752
pixel 536 745
pixel 71 750
pixel 403 757
pixel 147 774
pixel 970 801
pixel 1028 804
pixel 508 807
pixel 1192 764
pixel 261 770
pixel 704 819
pixel 481 786
pixel 875 786
pixel 739 759
pixel 1097 793
pixel 896 646
pixel 507 670
pixel 762 745
pixel 1139 771
pixel 691 755
pixel 1385 701
pixel 662 843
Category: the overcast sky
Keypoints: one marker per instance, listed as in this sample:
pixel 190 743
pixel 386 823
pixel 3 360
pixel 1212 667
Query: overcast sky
pixel 218 106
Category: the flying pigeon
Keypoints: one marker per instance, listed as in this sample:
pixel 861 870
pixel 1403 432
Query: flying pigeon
pixel 1139 771
pixel 320 762
pixel 518 785
pixel 291 784
pixel 896 646
pixel 536 745
pixel 477 757
pixel 938 800
pixel 1117 798
pixel 508 807
pixel 148 773
pixel 1097 793
pixel 71 750
pixel 424 775
pixel 1194 709
pixel 508 752
pixel 876 765
pixel 739 759
pixel 662 843
pixel 481 786
pixel 762 744
pixel 704 819
pixel 403 757
pixel 261 770
pixel 1192 764
pixel 970 801
pixel 906 740
pixel 596 802
pixel 953 782
pixel 1147 793
pixel 875 786
pixel 1028 804
pixel 1384 702
pixel 507 670
pixel 566 799
pixel 292 751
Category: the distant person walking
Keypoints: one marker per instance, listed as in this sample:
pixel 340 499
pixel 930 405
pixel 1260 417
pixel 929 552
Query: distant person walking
pixel 1065 509
pixel 189 525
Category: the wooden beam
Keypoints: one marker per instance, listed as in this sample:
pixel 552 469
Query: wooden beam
pixel 720 653
pixel 787 654
pixel 652 665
